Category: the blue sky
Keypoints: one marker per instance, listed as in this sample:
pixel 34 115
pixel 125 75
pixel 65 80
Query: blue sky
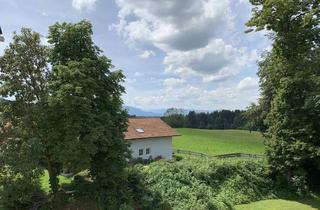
pixel 190 54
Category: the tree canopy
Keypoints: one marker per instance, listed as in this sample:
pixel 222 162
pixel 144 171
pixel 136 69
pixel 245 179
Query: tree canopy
pixel 224 119
pixel 66 109
pixel 289 80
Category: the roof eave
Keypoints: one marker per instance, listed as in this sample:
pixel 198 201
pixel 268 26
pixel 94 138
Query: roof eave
pixel 150 137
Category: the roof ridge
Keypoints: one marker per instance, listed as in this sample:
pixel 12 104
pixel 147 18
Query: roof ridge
pixel 153 127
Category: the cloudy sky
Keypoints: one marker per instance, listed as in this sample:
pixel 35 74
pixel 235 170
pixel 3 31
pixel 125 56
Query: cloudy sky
pixel 189 54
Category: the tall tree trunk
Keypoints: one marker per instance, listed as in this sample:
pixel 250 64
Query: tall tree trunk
pixel 53 180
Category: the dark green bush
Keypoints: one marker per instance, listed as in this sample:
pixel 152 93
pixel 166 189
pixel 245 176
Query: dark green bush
pixel 142 197
pixel 201 184
pixel 81 187
pixel 177 157
pixel 20 194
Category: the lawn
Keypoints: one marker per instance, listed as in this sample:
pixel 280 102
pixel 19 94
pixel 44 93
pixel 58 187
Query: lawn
pixel 217 142
pixel 44 180
pixel 280 204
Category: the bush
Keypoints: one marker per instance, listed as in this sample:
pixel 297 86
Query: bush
pixel 20 194
pixel 142 197
pixel 177 157
pixel 140 160
pixel 202 184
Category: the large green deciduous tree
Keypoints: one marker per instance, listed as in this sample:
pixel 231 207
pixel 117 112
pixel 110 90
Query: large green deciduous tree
pixel 174 117
pixel 66 109
pixel 289 79
pixel 253 115
pixel 86 96
pixel 23 75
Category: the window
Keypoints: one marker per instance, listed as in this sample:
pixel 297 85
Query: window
pixel 140 130
pixel 140 152
pixel 147 151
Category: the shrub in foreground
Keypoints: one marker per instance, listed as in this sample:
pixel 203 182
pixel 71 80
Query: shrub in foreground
pixel 202 184
pixel 21 193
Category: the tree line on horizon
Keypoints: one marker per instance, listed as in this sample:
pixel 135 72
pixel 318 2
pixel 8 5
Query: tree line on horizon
pixel 219 119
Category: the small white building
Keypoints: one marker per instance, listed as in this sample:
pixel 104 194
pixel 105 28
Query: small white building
pixel 150 138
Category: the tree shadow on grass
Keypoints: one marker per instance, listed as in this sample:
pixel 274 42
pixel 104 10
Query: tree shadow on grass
pixel 312 200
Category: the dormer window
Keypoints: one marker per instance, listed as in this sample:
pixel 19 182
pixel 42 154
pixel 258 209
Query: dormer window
pixel 140 130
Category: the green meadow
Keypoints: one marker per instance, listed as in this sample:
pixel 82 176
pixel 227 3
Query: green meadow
pixel 217 142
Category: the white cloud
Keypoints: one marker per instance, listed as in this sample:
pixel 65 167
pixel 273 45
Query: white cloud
pixel 147 54
pixel 44 14
pixel 202 42
pixel 83 4
pixel 130 81
pixel 191 33
pixel 248 83
pixel 216 61
pixel 186 96
pixel 180 25
pixel 171 83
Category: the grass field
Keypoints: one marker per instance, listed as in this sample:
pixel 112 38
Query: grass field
pixel 44 180
pixel 280 204
pixel 217 142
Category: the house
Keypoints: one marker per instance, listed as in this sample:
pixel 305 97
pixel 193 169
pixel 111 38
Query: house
pixel 149 138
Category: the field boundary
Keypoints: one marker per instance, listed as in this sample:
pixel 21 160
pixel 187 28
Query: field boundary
pixel 230 155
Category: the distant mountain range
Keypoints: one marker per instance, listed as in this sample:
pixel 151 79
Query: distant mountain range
pixel 155 112
pixel 145 113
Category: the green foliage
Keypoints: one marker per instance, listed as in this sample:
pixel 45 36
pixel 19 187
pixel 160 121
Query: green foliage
pixel 18 191
pixel 81 186
pixel 289 78
pixel 86 97
pixel 174 117
pixel 24 73
pixel 254 117
pixel 44 181
pixel 24 68
pixel 202 184
pixel 142 197
pixel 224 119
pixel 69 117
pixel 72 42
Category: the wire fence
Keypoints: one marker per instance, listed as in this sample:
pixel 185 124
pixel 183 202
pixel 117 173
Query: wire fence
pixel 231 155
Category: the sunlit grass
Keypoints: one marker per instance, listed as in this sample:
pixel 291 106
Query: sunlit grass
pixel 217 142
pixel 44 180
pixel 280 204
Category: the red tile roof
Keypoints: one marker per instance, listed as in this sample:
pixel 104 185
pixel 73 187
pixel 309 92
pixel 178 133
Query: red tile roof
pixel 152 128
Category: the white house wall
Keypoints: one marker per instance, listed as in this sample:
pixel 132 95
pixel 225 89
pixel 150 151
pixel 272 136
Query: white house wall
pixel 159 147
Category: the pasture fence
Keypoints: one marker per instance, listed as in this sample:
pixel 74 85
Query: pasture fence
pixel 231 155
